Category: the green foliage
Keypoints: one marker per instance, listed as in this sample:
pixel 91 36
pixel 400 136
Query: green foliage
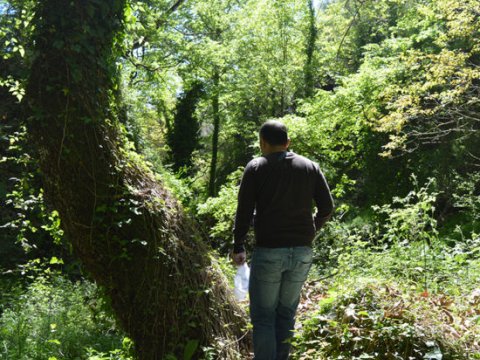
pixel 180 187
pixel 227 268
pixel 190 349
pixel 398 290
pixel 56 318
pixel 335 131
pixel 410 219
pixel 220 213
pixel 32 215
pixel 124 353
pixel 401 241
pixel 467 198
pixel 29 221
pixel 383 60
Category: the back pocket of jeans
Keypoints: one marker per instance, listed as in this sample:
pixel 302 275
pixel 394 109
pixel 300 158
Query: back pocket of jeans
pixel 301 269
pixel 267 270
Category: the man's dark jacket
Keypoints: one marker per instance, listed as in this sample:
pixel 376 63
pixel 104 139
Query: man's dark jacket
pixel 280 188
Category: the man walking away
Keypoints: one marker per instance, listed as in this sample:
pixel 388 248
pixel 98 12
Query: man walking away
pixel 278 190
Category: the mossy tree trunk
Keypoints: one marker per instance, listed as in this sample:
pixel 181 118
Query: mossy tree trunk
pixel 128 231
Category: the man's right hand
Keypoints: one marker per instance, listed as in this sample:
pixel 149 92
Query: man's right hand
pixel 239 258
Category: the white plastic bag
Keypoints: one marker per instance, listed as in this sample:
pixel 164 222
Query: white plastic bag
pixel 241 282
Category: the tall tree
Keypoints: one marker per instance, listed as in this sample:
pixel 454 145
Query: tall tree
pixel 208 56
pixel 129 232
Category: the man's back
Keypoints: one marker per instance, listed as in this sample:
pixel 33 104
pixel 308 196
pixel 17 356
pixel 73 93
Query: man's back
pixel 282 186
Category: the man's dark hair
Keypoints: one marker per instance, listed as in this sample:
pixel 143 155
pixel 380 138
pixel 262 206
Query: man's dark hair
pixel 274 133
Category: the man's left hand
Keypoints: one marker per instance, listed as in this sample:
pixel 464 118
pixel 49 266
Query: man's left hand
pixel 239 258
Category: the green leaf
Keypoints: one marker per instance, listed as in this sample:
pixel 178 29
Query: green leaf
pixel 190 349
pixel 55 260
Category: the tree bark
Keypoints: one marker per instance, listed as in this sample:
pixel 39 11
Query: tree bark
pixel 310 49
pixel 216 131
pixel 129 232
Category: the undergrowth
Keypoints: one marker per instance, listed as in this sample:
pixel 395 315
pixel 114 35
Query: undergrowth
pixel 55 318
pixel 372 318
pixel 391 287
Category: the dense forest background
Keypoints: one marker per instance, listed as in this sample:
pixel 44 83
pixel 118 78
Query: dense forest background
pixel 384 95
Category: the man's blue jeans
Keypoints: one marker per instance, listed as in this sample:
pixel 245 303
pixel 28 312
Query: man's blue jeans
pixel 276 279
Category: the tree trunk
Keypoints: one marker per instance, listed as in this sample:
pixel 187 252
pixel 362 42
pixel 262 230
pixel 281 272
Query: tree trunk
pixel 216 130
pixel 126 228
pixel 310 48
